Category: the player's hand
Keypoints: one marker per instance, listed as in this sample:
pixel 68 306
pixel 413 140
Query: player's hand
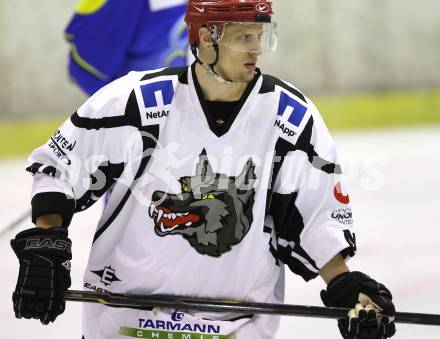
pixel 372 311
pixel 44 274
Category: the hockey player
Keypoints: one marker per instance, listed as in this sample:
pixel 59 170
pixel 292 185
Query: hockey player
pixel 102 49
pixel 220 176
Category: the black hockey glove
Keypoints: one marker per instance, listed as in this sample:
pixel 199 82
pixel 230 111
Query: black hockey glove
pixel 44 274
pixel 372 311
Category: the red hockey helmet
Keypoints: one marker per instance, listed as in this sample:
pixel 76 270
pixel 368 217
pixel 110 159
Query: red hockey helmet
pixel 211 14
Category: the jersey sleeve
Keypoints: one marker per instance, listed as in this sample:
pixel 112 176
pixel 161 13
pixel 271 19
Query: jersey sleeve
pixel 84 157
pixel 309 208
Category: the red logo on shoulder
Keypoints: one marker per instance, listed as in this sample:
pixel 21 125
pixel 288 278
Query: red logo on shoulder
pixel 341 197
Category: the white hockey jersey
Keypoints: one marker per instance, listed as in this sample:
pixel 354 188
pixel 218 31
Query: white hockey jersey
pixel 192 212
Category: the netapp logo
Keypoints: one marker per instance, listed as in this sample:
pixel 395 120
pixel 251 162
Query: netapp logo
pixel 286 130
pixel 156 115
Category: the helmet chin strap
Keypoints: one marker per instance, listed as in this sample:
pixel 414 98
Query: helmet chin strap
pixel 209 68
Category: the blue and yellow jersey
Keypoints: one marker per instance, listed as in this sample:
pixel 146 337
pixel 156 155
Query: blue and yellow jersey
pixel 109 38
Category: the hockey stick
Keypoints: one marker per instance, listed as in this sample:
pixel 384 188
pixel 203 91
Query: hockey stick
pixel 184 304
pixel 15 223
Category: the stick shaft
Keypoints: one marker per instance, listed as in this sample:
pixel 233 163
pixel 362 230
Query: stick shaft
pixel 207 305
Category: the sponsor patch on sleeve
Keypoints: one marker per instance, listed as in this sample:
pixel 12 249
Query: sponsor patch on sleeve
pixel 291 109
pixel 154 99
pixel 291 115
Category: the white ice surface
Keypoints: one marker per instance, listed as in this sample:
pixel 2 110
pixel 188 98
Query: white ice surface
pixel 394 182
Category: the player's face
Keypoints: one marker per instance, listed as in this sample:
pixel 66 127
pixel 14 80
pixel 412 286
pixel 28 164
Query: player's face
pixel 239 51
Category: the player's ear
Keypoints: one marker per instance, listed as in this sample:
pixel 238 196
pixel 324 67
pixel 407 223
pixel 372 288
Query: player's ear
pixel 205 37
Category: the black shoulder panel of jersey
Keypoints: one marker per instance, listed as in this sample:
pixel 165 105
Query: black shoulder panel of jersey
pixel 181 72
pixel 98 123
pixel 131 117
pixel 269 82
pixel 304 144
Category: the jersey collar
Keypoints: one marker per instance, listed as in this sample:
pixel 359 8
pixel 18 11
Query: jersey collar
pixel 245 100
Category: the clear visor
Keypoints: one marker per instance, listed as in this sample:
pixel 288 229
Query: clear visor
pixel 253 37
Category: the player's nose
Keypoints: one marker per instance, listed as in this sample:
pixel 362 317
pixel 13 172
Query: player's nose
pixel 254 55
pixel 255 48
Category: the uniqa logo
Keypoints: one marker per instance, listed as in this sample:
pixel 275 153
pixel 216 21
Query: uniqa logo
pixel 262 7
pixel 177 316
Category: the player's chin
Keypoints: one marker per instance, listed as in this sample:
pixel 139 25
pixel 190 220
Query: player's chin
pixel 249 76
pixel 241 75
pixel 245 75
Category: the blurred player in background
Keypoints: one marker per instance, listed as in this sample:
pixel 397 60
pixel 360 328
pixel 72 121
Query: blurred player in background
pixel 109 38
pixel 221 175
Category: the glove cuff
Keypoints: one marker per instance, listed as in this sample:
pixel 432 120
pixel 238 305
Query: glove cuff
pixel 344 289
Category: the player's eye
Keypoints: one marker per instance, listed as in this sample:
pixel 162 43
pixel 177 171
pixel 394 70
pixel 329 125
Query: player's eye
pixel 185 187
pixel 208 196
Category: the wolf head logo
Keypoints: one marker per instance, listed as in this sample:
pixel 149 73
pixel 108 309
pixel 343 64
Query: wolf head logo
pixel 213 211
